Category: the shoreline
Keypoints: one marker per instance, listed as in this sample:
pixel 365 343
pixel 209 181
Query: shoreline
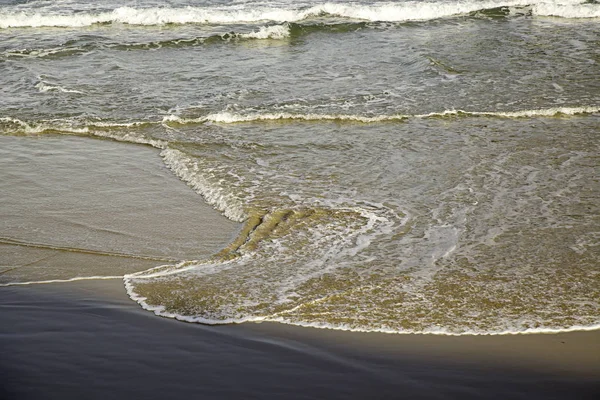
pixel 69 340
pixel 197 320
pixel 86 338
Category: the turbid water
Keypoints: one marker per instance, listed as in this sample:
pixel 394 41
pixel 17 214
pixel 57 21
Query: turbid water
pixel 409 166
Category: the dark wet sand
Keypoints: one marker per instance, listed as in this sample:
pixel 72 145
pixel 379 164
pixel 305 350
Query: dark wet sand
pixel 88 340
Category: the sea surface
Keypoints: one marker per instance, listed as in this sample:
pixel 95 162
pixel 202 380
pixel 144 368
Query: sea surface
pixel 407 167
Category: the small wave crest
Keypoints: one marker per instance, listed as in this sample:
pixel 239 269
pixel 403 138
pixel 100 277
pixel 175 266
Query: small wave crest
pixel 120 131
pixel 44 87
pixel 227 117
pixel 43 53
pixel 269 32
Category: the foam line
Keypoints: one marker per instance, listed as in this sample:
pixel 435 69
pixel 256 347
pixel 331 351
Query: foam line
pixel 231 118
pixel 102 129
pixel 160 311
pixel 78 278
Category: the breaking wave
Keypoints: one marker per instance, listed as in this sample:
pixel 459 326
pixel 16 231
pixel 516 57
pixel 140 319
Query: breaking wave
pixel 389 12
pixel 573 11
pixel 44 87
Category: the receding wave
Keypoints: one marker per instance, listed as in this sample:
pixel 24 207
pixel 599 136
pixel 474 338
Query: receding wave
pixel 391 12
pixel 291 264
pixel 120 131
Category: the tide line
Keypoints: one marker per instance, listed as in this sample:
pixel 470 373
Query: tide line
pixel 78 278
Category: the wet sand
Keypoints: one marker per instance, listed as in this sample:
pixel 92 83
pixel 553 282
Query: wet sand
pixel 74 206
pixel 89 340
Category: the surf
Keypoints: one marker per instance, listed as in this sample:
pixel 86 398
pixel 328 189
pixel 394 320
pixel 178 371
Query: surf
pixel 384 12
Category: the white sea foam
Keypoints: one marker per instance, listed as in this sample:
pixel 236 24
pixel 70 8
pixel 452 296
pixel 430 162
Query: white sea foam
pixel 44 87
pixel 567 10
pixel 544 112
pixel 160 311
pixel 435 331
pixel 131 138
pixel 45 126
pixel 225 117
pixel 231 118
pixel 177 119
pixel 269 32
pixel 392 12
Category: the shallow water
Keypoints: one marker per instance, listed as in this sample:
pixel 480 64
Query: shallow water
pixel 399 166
pixel 77 207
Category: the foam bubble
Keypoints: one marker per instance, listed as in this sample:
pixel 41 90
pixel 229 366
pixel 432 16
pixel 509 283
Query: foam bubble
pixel 161 311
pixel 435 331
pixel 39 53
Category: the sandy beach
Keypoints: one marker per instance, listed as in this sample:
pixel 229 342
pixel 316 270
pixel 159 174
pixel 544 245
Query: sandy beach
pixel 423 168
pixel 89 340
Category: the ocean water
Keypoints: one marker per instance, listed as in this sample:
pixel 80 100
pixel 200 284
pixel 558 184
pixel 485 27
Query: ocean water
pixel 408 166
